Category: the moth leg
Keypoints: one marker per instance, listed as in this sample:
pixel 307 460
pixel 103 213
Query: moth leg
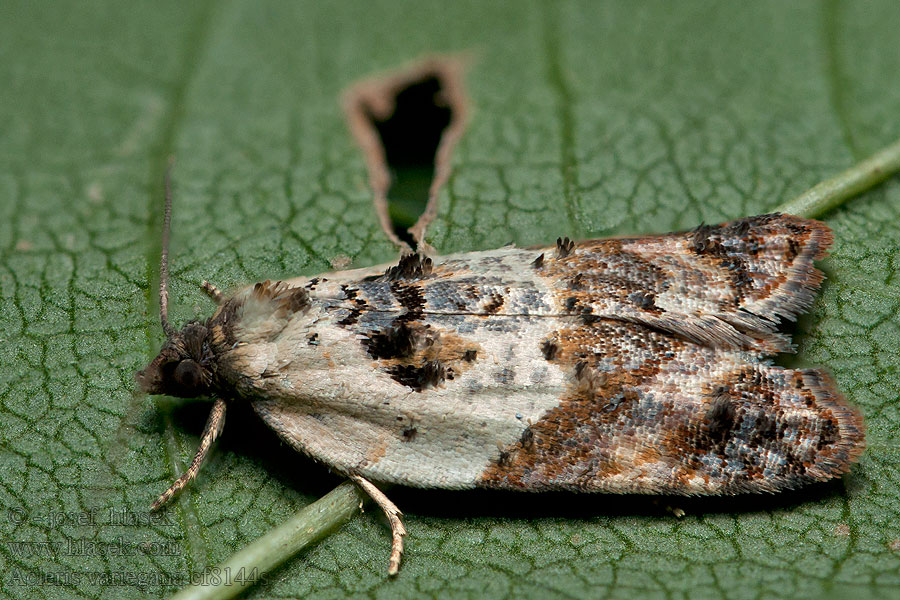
pixel 213 292
pixel 214 425
pixel 393 514
pixel 675 511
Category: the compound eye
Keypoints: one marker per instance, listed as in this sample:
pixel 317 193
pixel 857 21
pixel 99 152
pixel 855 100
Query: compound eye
pixel 187 375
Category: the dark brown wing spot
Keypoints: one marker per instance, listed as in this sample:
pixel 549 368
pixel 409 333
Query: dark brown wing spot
pixel 427 375
pixel 351 318
pixel 549 350
pixel 644 300
pixel 495 304
pixel 411 266
pixel 721 417
pixel 704 240
pixel 564 247
pixel 420 356
pixel 410 297
pixel 721 413
pixel 527 440
pixel 397 341
pixel 740 227
pixel 793 249
pixel 359 305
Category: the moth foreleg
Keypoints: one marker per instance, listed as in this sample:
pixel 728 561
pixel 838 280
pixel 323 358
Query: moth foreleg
pixel 213 292
pixel 393 514
pixel 214 425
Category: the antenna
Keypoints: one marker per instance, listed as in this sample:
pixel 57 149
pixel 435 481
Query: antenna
pixel 164 259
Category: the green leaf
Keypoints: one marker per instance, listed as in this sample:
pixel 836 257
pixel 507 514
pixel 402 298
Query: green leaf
pixel 588 120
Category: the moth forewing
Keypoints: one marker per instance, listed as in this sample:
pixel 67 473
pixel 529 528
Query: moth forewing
pixel 621 365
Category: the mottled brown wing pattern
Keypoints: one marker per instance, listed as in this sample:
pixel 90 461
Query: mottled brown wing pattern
pixel 646 412
pixel 723 285
pixel 661 397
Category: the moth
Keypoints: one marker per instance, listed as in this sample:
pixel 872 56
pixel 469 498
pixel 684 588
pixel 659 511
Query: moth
pixel 628 365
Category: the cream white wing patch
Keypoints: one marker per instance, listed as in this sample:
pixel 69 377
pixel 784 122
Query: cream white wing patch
pixel 393 419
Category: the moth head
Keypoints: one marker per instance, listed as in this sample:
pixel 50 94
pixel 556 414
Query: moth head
pixel 182 367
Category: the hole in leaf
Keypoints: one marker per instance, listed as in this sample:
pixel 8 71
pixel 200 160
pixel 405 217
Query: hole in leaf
pixel 410 137
pixel 407 125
